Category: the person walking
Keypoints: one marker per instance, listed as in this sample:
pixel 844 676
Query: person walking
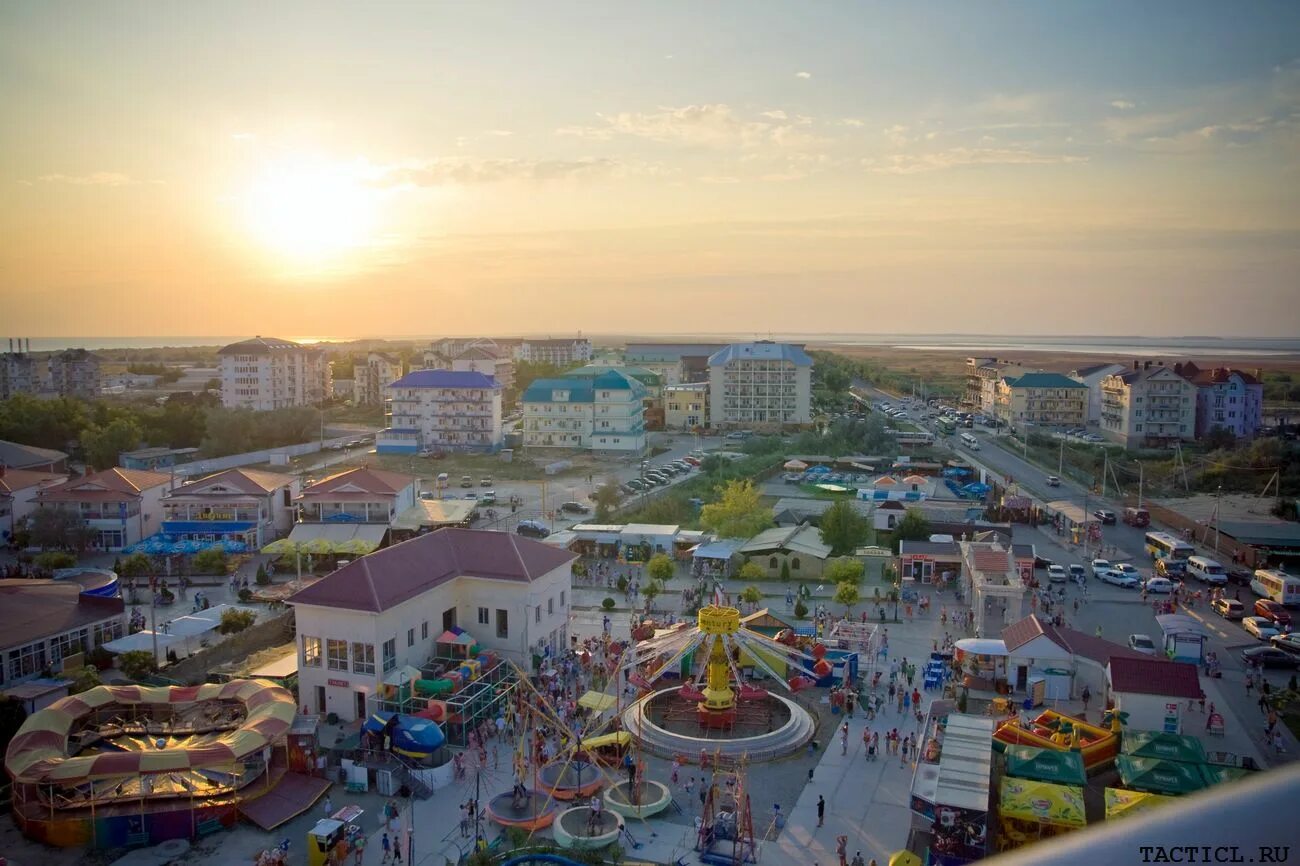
pixel 821 810
pixel 841 849
pixel 359 849
pixel 387 845
pixel 1086 696
pixel 844 739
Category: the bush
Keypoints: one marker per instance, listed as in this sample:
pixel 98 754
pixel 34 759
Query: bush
pixel 210 561
pixel 235 621
pixel 845 569
pixel 135 565
pixel 622 583
pixel 785 571
pixel 245 595
pixel 84 680
pixel 54 559
pixel 751 595
pixel 800 609
pixel 752 571
pixel 608 604
pixel 100 658
pixel 660 567
pixel 137 664
pixel 263 577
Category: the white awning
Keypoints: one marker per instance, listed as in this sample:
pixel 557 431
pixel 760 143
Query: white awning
pixel 279 669
pixel 982 646
pixel 141 640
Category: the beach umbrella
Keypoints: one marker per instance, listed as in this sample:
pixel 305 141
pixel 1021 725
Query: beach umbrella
pixel 318 546
pixel 281 546
pixel 356 546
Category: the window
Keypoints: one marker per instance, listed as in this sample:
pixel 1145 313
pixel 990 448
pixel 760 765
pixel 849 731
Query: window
pixel 310 651
pixel 424 630
pixel 537 614
pixel 410 637
pixel 390 654
pixel 336 654
pixel 363 658
pixel 483 616
pixel 561 598
pixel 503 623
pixel 550 607
pixel 771 563
pixel 794 564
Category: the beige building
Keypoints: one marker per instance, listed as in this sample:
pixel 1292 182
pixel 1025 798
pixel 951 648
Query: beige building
pixel 982 377
pixel 799 549
pixel 1041 400
pixel 1148 406
pixel 763 385
pixel 268 373
pixel 370 380
pixel 488 361
pixel 686 406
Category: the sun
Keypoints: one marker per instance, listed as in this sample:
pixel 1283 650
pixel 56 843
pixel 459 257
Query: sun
pixel 311 213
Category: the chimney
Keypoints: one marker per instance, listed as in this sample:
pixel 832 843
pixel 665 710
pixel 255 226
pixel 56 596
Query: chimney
pixel 29 345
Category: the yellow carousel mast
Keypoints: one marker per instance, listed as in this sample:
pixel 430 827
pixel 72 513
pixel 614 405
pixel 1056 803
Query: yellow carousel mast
pixel 718 709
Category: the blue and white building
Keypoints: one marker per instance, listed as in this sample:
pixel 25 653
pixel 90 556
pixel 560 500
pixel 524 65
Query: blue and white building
pixel 441 410
pixel 761 386
pixel 604 413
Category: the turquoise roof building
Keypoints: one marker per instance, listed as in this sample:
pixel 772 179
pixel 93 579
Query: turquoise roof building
pixel 603 413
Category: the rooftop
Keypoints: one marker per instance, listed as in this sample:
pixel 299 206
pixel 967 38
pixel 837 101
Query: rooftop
pixel 18 456
pixel 445 379
pixel 1151 676
pixel 1263 533
pixel 1044 380
pixel 763 350
pixel 263 346
pixel 386 578
pixel 38 608
pixel 799 539
pixel 1077 643
pixel 581 389
pixel 235 480
pixel 110 485
pixel 13 480
pixel 363 479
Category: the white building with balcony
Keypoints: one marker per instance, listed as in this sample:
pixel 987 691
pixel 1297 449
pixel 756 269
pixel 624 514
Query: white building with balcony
pixel 763 385
pixel 561 353
pixel 361 495
pixel 236 504
pixel 442 410
pixel 370 380
pixel 360 625
pixel 603 413
pixel 121 506
pixel 268 373
pixel 1148 406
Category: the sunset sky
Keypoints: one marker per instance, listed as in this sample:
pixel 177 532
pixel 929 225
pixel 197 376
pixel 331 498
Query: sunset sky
pixel 376 169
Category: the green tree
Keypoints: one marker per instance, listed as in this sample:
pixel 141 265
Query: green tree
pixel 846 594
pixel 136 664
pixel 606 497
pixel 713 463
pixel 835 380
pixel 43 423
pixel 785 570
pixel 607 603
pixel 135 565
pixel 210 561
pixel 651 591
pixel 660 567
pixel 235 621
pixel 85 679
pixel 738 513
pixel 752 571
pixel 800 609
pixel 844 528
pixel 751 594
pixel 845 569
pixel 913 527
pixel 263 576
pixel 60 528
pixel 54 559
pixel 102 445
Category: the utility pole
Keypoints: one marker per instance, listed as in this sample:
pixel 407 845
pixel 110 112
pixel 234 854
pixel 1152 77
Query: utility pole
pixel 1139 463
pixel 1218 500
pixel 1060 460
pixel 1105 464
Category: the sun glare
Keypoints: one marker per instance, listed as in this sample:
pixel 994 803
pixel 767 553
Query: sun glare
pixel 310 214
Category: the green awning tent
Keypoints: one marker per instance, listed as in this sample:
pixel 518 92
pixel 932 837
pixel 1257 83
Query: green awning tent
pixel 1217 774
pixel 1164 746
pixel 1046 765
pixel 1160 777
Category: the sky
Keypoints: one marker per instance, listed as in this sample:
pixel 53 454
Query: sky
pixel 385 169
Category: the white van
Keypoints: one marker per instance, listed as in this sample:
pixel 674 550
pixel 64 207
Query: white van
pixel 1207 570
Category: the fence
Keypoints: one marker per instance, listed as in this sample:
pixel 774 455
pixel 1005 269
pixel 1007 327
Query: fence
pixel 1202 533
pixel 264 635
pixel 249 458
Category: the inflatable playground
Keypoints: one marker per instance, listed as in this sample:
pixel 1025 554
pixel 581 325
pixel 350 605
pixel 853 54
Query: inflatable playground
pixel 1055 731
pixel 117 766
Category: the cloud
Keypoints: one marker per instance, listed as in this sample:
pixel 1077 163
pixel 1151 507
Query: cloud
pixel 853 122
pixel 804 75
pixel 719 179
pixel 95 178
pixel 462 171
pixel 916 163
pixel 1122 104
pixel 775 114
pixel 897 134
pixel 500 133
pixel 710 125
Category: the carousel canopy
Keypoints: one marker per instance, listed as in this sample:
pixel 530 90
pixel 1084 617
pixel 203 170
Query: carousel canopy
pixel 1120 802
pixel 413 736
pixel 1160 777
pixel 982 646
pixel 1041 802
pixel 1046 765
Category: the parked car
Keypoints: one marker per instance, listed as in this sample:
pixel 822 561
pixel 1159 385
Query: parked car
pixel 1228 608
pixel 1270 657
pixel 694 461
pixel 485 481
pixel 532 529
pixel 1053 481
pixel 1171 568
pixel 467 481
pixel 488 498
pixel 1056 574
pixel 1158 585
pixel 1287 642
pixel 1119 578
pixel 1100 565
pixel 1240 576
pixel 1260 626
pixel 574 508
pixel 1077 572
pixel 1106 516
pixel 1127 568
pixel 1138 517
pixel 1142 643
pixel 1271 610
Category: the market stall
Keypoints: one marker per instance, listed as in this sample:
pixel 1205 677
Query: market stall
pixel 1157 776
pixel 1046 765
pixel 950 790
pixel 1029 811
pixel 1121 803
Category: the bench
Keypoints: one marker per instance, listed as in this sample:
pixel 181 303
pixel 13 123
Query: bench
pixel 204 828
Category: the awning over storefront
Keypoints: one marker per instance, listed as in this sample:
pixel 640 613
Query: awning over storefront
pixel 282 667
pixel 982 646
pixel 327 538
pixel 1042 802
pixel 164 544
pixel 208 527
pixel 430 514
pixel 723 549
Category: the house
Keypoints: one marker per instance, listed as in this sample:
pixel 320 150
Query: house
pixel 996 578
pixel 677 363
pixel 444 410
pixel 19 373
pixel 75 373
pixel 762 385
pixel 236 504
pixel 1152 691
pixel 29 457
pixel 799 547
pixel 1041 399
pixel 342 389
pixel 386 610
pixel 603 414
pixel 640 541
pixel 795 510
pixel 371 380
pixel 486 359
pixel 153 459
pixel 361 495
pixel 561 353
pixel 269 373
pixel 47 621
pixel 1091 378
pixel 686 406
pixel 924 561
pixel 1148 406
pixel 122 506
pixel 1227 399
pixel 1066 659
pixel 18 489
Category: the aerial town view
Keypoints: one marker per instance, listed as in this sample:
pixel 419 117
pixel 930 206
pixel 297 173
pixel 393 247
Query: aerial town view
pixel 508 434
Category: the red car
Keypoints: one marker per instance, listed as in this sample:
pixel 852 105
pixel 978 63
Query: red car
pixel 1272 610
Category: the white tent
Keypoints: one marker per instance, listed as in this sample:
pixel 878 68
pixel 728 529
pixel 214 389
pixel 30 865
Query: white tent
pixel 141 640
pixel 190 626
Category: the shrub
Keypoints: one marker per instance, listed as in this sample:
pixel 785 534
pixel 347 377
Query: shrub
pixel 752 571
pixel 660 567
pixel 608 604
pixel 751 594
pixel 135 565
pixel 54 559
pixel 845 569
pixel 210 561
pixel 137 664
pixel 785 571
pixel 84 680
pixel 263 577
pixel 800 609
pixel 245 595
pixel 622 583
pixel 100 658
pixel 235 621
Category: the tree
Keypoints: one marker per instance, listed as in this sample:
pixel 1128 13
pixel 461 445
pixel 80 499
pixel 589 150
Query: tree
pixel 846 594
pixel 43 423
pixel 606 497
pixel 1219 438
pixel 210 561
pixel 651 591
pixel 136 664
pixel 135 565
pixel 846 569
pixel 751 594
pixel 738 513
pixel 235 621
pixel 835 380
pixel 660 567
pixel 785 571
pixel 608 603
pixel 713 463
pixel 60 528
pixel 54 559
pixel 913 527
pixel 844 528
pixel 753 571
pixel 263 576
pixel 800 609
pixel 85 679
pixel 102 445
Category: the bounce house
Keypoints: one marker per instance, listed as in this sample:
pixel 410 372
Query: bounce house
pixel 1052 730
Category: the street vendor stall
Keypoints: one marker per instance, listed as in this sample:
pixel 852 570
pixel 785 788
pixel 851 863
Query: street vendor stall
pixel 1029 811
pixel 1158 776
pixel 1046 765
pixel 983 663
pixel 1121 803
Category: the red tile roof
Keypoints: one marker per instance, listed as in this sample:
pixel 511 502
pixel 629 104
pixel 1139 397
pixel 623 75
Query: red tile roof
pixel 991 561
pixel 371 480
pixel 243 480
pixel 1150 676
pixel 111 485
pixel 1077 643
pixel 388 577
pixel 13 480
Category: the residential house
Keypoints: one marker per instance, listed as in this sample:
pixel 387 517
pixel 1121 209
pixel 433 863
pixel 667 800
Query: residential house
pixel 996 578
pixel 1229 399
pixel 18 489
pixel 1067 660
pixel 763 386
pixel 686 406
pixel 268 373
pixel 486 359
pixel 800 548
pixel 971 395
pixel 371 380
pixel 653 401
pixel 361 495
pixel 1042 400
pixel 19 372
pixel 154 459
pixel 18 456
pixel 603 413
pixel 122 506
pixel 366 621
pixel 46 622
pixel 443 410
pixel 982 377
pixel 1092 377
pixel 75 373
pixel 677 363
pixel 1148 406
pixel 561 353
pixel 244 505
pixel 1153 692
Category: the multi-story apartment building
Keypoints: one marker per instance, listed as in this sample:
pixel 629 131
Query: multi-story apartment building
pixel 561 353
pixel 75 373
pixel 370 380
pixel 19 373
pixel 1148 406
pixel 686 406
pixel 483 358
pixel 1042 400
pixel 1229 399
pixel 604 413
pixel 242 505
pixel 268 373
pixel 1092 377
pixel 121 506
pixel 675 362
pixel 971 396
pixel 982 377
pixel 761 385
pixel 445 410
